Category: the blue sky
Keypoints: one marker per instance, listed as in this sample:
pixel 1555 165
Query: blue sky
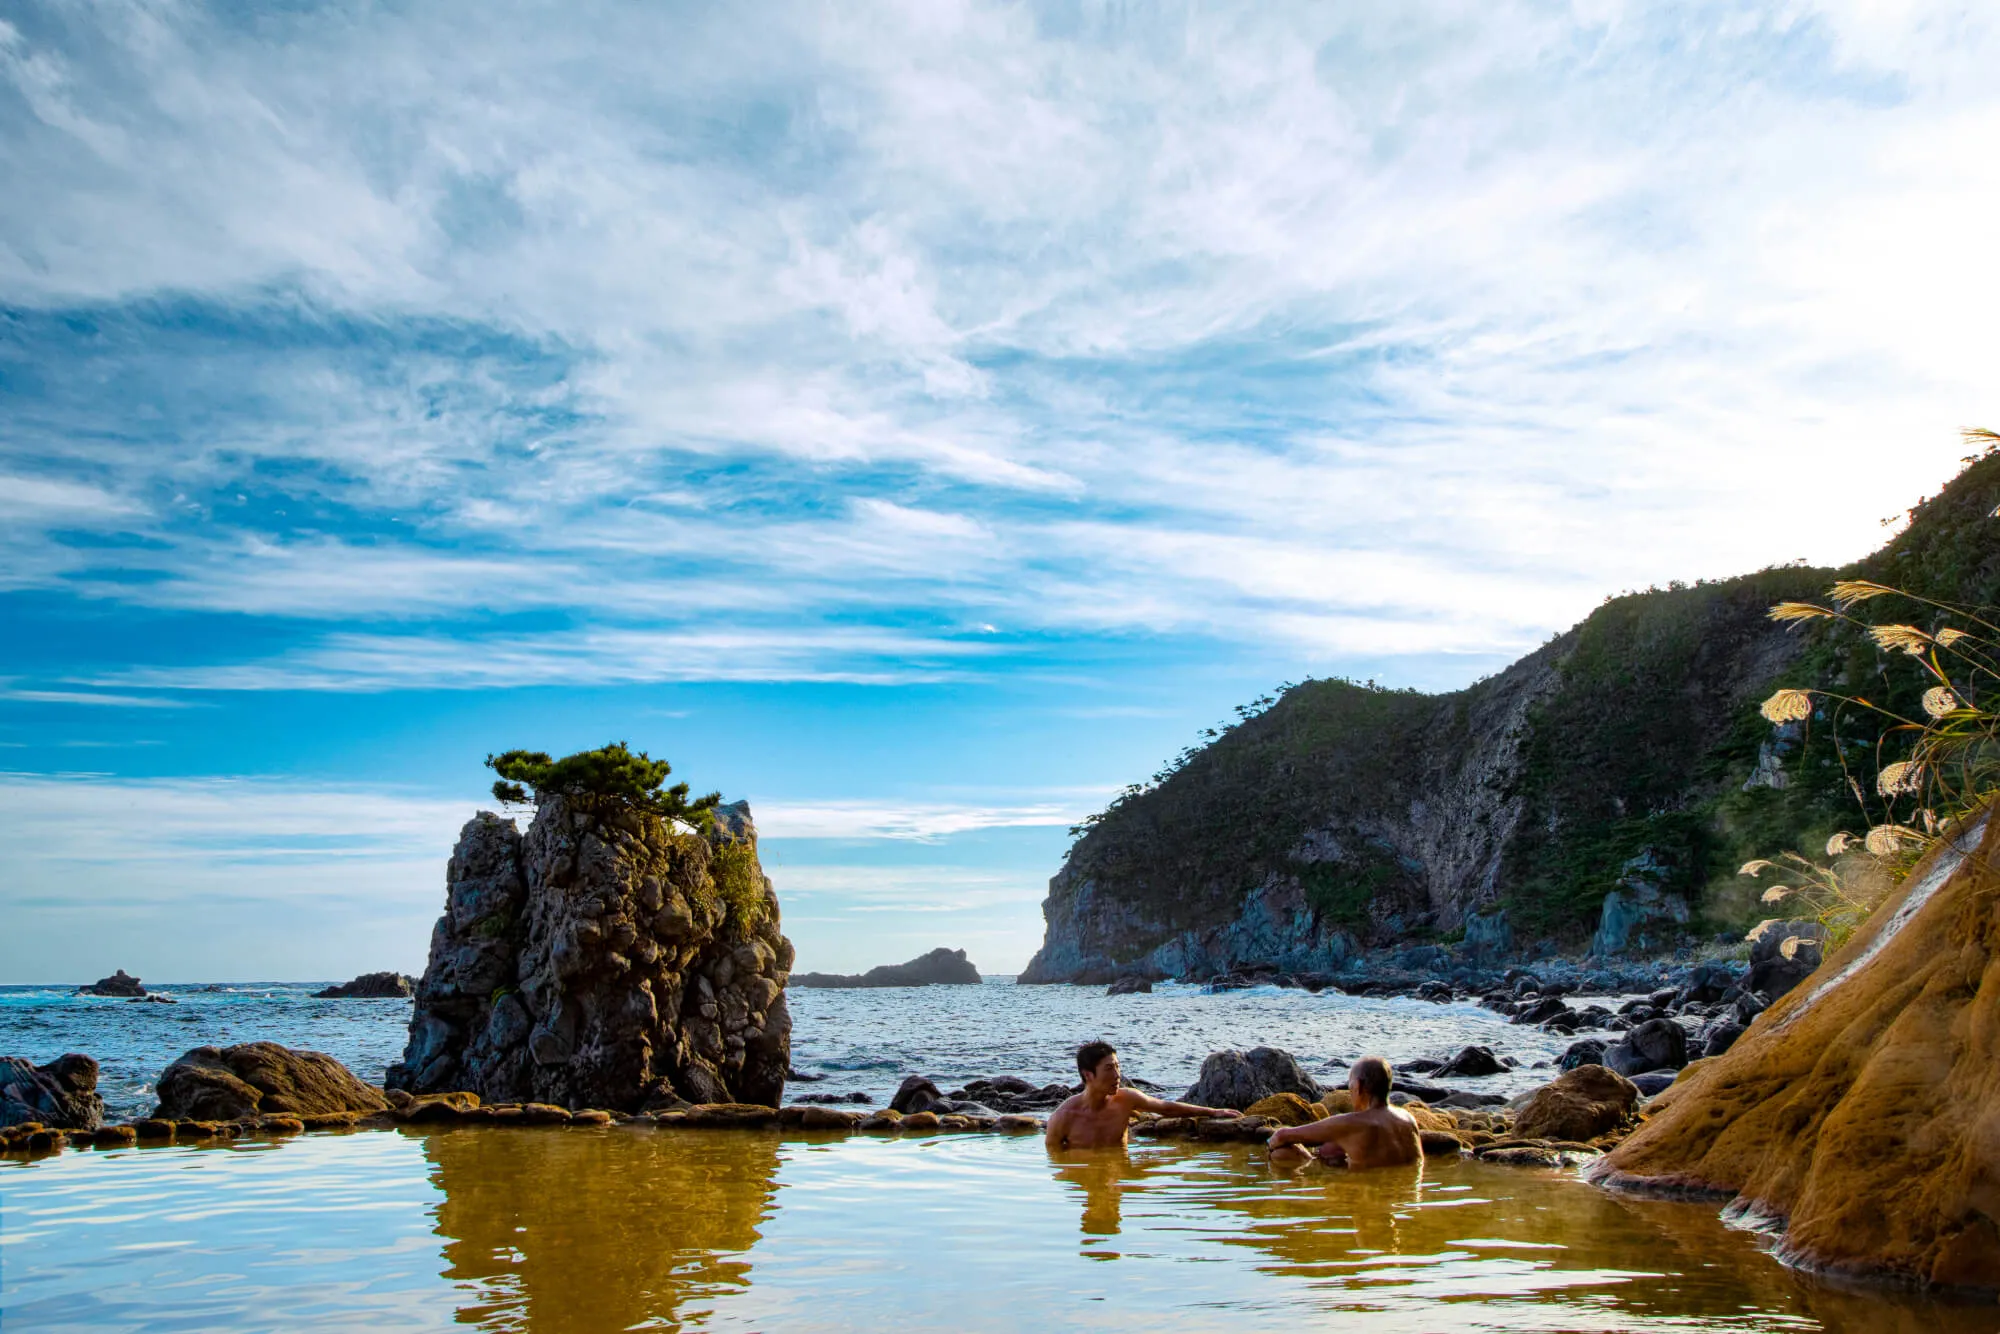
pixel 919 419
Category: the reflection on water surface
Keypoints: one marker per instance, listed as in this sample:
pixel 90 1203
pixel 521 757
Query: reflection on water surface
pixel 520 1229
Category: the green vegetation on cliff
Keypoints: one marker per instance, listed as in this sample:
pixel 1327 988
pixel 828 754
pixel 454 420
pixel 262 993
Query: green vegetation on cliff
pixel 1628 752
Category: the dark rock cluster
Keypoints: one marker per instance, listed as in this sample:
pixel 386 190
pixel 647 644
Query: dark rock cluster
pixel 605 959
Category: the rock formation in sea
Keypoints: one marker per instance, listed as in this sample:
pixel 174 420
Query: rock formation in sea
pixel 372 986
pixel 260 1078
pixel 1601 791
pixel 605 959
pixel 120 984
pixel 940 967
pixel 61 1095
pixel 1857 1112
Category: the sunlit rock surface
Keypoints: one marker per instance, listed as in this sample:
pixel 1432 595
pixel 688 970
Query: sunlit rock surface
pixel 1863 1109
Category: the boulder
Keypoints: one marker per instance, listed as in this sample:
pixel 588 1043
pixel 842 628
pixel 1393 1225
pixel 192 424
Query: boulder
pixel 1720 1037
pixel 118 984
pixel 1651 1082
pixel 1787 963
pixel 1857 1112
pixel 1239 1079
pixel 1657 1044
pixel 61 1095
pixel 604 959
pixel 1581 1105
pixel 227 1083
pixel 1585 1051
pixel 915 1094
pixel 1470 1063
pixel 1127 986
pixel 1541 1011
pixel 372 986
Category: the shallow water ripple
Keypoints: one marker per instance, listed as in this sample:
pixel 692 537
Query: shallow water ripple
pixel 623 1228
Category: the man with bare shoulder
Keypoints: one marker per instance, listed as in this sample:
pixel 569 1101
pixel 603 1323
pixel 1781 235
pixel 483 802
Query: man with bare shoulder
pixel 1100 1114
pixel 1374 1134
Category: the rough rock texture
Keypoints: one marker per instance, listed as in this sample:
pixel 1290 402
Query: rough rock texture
pixel 939 968
pixel 119 983
pixel 1581 1105
pixel 1657 1044
pixel 1240 1079
pixel 604 960
pixel 1863 1108
pixel 1471 1062
pixel 62 1095
pixel 1285 1109
pixel 372 986
pixel 254 1078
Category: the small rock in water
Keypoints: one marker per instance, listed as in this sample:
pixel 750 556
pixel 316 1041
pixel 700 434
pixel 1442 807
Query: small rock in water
pixel 1657 1044
pixel 1126 986
pixel 1471 1062
pixel 915 1094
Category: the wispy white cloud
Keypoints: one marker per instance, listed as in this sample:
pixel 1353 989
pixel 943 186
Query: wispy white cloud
pixel 1312 331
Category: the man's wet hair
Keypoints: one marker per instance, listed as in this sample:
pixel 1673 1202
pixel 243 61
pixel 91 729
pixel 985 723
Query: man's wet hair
pixel 1091 1055
pixel 1375 1077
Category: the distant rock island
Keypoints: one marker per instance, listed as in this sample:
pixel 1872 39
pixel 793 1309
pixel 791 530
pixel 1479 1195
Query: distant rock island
pixel 120 983
pixel 940 968
pixel 372 986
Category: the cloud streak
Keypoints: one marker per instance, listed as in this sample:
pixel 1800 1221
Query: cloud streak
pixel 1294 330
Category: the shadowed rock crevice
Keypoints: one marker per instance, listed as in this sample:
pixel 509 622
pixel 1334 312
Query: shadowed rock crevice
pixel 604 959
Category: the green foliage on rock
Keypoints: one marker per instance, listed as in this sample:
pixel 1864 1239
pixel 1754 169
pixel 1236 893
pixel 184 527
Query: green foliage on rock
pixel 611 775
pixel 739 884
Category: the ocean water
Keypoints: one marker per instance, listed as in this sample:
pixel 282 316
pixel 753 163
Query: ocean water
pixel 863 1041
pixel 517 1229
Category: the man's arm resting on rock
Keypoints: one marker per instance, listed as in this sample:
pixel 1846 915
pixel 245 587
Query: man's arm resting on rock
pixel 1161 1107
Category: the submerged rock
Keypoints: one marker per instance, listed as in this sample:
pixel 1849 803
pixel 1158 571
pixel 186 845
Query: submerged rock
pixel 61 1095
pixel 372 986
pixel 119 983
pixel 1858 1109
pixel 253 1078
pixel 604 960
pixel 939 968
pixel 1240 1079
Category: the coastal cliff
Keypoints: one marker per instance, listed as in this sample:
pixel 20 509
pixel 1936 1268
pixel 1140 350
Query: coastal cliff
pixel 605 959
pixel 1599 793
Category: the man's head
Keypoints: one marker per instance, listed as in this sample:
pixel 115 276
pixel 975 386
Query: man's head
pixel 1097 1062
pixel 1369 1081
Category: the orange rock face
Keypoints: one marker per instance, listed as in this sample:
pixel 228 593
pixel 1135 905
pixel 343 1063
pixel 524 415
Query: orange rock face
pixel 1863 1109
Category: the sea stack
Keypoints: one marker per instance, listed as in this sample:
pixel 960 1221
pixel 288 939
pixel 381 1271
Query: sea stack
pixel 607 958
